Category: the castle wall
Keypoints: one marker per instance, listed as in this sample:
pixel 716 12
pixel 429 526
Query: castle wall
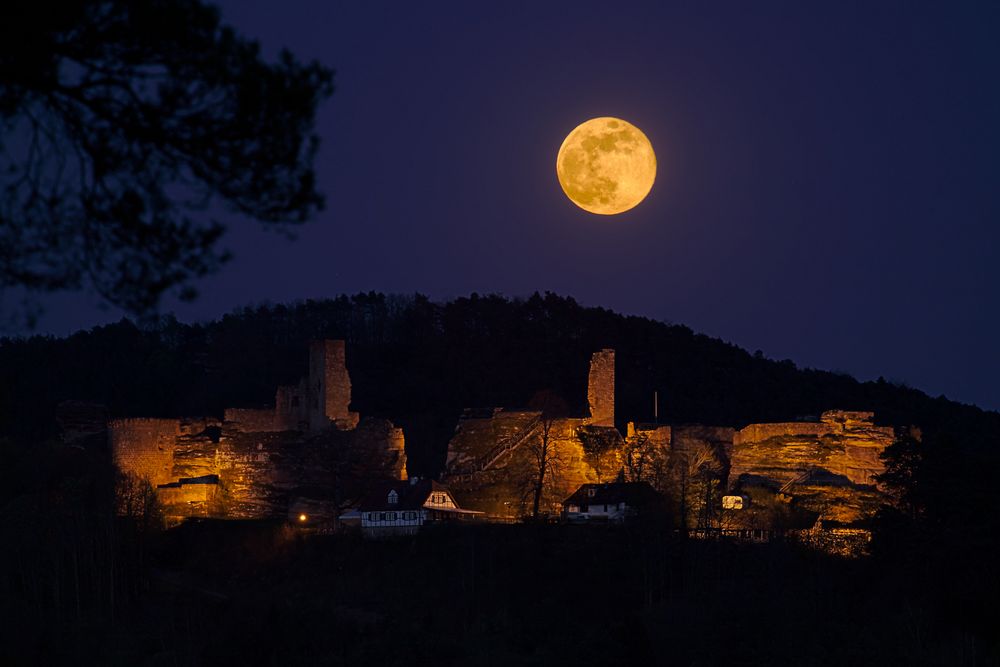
pixel 601 388
pixel 253 421
pixel 254 462
pixel 329 386
pixel 144 447
pixel 290 406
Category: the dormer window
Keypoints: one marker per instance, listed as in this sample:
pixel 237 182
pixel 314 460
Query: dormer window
pixel 393 497
pixel 591 492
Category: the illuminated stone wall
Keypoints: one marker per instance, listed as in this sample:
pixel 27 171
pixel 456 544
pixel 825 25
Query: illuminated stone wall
pixel 144 447
pixel 505 486
pixel 255 462
pixel 492 462
pixel 329 386
pixel 253 420
pixel 601 388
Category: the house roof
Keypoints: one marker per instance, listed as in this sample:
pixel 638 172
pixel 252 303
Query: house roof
pixel 411 495
pixel 633 494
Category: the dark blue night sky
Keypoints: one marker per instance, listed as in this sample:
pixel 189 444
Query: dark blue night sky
pixel 827 188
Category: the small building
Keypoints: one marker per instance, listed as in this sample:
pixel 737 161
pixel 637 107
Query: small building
pixel 614 502
pixel 735 502
pixel 402 507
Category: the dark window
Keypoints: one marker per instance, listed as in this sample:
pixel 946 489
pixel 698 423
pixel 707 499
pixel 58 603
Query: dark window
pixel 583 509
pixel 390 516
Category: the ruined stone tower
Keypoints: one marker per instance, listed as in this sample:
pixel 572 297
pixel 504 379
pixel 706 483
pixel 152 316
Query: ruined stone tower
pixel 329 391
pixel 601 388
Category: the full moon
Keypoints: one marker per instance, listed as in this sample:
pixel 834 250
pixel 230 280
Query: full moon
pixel 606 165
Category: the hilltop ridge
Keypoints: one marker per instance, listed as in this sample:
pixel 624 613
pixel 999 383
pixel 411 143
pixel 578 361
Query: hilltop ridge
pixel 421 363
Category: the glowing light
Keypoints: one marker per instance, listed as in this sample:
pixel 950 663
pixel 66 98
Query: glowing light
pixel 606 166
pixel 303 517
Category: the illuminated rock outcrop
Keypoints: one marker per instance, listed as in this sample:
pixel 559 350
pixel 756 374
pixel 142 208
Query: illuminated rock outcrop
pixel 253 463
pixel 494 458
pixel 826 467
pixel 842 443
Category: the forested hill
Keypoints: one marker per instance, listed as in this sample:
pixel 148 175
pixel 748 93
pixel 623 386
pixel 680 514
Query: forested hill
pixel 420 363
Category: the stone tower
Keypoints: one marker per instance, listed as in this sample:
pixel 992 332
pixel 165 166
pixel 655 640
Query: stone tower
pixel 329 390
pixel 601 388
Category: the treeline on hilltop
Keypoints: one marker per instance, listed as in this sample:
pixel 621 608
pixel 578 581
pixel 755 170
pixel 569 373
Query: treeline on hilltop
pixel 421 363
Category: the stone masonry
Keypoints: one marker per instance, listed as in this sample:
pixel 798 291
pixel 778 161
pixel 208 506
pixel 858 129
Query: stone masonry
pixel 256 463
pixel 601 388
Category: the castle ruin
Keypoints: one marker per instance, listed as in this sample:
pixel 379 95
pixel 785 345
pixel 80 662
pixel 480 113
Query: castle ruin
pixel 825 470
pixel 257 463
pixel 311 450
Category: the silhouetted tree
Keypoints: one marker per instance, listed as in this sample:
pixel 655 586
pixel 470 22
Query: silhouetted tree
pixel 693 473
pixel 902 468
pixel 602 448
pixel 121 123
pixel 544 454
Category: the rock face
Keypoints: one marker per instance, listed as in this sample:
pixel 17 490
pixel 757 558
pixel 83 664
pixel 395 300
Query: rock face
pixel 494 458
pixel 250 465
pixel 493 462
pixel 826 468
pixel 842 443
